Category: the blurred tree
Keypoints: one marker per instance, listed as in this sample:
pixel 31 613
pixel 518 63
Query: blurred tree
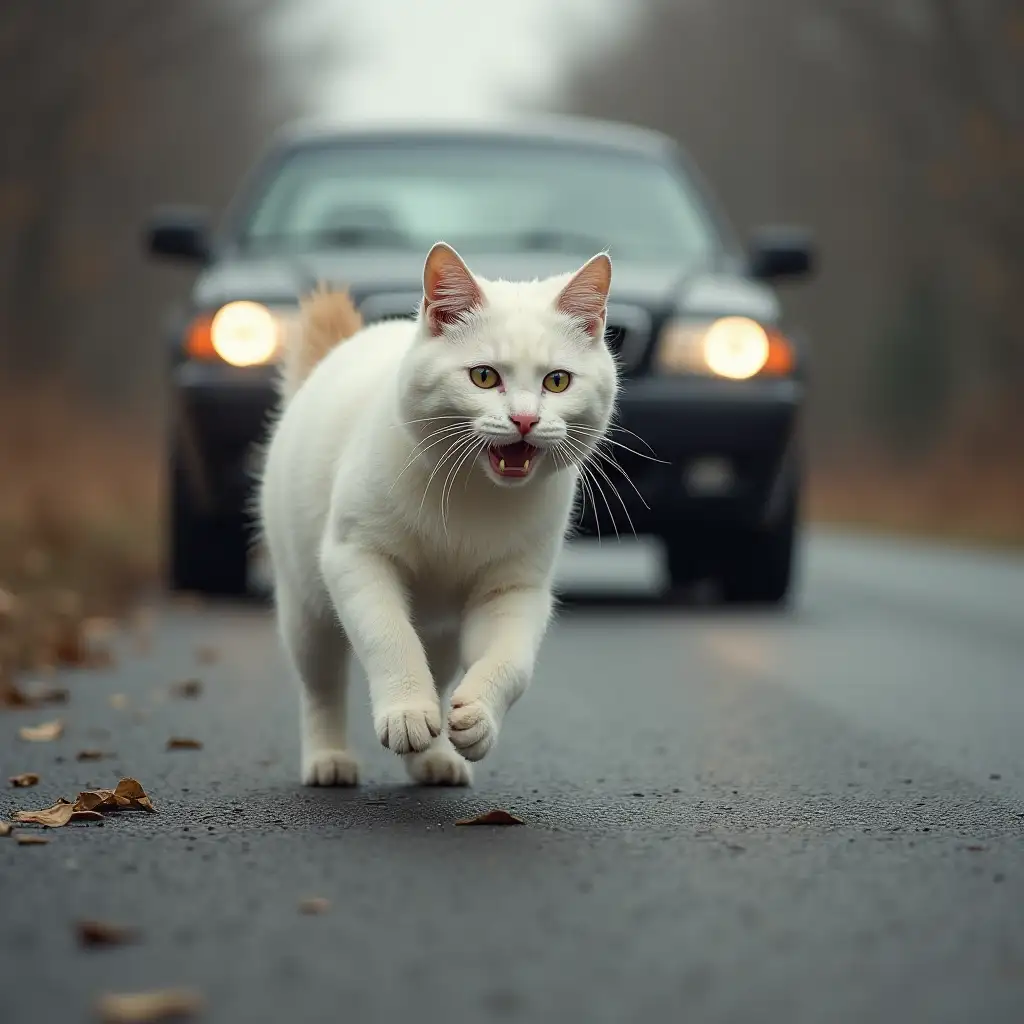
pixel 109 107
pixel 897 132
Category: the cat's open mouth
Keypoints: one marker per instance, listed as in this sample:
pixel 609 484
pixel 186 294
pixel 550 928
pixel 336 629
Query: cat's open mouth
pixel 512 460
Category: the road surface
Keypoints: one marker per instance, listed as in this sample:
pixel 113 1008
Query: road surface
pixel 730 817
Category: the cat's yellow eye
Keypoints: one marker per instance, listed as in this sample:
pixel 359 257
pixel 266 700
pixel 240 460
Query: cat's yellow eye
pixel 484 377
pixel 557 380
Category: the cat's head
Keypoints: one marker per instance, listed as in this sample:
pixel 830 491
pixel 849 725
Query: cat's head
pixel 514 376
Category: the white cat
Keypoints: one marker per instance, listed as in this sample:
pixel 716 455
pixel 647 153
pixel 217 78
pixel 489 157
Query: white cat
pixel 417 489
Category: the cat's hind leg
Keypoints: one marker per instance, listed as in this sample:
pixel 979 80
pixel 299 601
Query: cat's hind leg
pixel 318 651
pixel 441 764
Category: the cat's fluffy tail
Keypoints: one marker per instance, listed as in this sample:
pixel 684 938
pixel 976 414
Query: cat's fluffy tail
pixel 327 317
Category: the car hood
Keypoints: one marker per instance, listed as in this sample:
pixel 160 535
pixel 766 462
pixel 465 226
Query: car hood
pixel 655 286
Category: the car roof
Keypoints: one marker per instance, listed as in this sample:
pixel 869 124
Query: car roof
pixel 533 129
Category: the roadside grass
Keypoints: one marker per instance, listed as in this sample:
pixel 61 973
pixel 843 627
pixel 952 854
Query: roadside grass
pixel 80 529
pixel 947 499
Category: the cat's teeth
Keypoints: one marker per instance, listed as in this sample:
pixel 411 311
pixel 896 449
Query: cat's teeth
pixel 501 465
pixel 526 466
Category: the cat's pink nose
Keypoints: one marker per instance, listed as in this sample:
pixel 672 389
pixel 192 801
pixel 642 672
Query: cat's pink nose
pixel 525 421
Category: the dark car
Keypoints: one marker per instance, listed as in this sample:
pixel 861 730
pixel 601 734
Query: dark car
pixel 712 385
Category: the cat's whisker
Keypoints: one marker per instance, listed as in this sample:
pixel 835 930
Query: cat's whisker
pixel 617 427
pixel 596 434
pixel 585 488
pixel 615 491
pixel 420 449
pixel 456 445
pixel 584 457
pixel 471 452
pixel 424 419
pixel 609 460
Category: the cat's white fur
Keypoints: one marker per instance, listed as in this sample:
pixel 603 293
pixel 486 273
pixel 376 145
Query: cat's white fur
pixel 391 535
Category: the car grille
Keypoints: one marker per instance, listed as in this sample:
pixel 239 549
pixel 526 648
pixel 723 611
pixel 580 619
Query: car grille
pixel 628 334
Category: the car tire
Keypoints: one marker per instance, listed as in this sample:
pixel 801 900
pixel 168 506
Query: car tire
pixel 208 555
pixel 758 564
pixel 753 566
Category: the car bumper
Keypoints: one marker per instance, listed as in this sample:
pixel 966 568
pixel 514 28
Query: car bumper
pixel 726 452
pixel 722 450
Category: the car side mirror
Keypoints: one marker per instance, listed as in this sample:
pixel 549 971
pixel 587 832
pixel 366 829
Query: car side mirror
pixel 781 252
pixel 179 232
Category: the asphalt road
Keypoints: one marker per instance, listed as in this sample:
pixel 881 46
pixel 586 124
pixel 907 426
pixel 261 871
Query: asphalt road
pixel 816 816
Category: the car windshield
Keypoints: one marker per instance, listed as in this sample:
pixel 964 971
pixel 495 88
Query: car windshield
pixel 480 198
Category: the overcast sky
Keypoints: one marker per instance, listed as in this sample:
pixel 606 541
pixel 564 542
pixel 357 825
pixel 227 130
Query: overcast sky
pixel 442 57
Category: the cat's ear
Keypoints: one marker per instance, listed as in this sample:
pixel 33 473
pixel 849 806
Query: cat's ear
pixel 585 297
pixel 450 291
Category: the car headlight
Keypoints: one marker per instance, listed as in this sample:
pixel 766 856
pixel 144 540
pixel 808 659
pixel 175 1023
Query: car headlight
pixel 734 347
pixel 240 333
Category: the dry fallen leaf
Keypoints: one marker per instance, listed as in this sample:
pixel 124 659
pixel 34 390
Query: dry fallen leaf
pixel 92 755
pixel 5 828
pixel 187 689
pixel 143 1007
pixel 314 905
pixel 118 701
pixel 102 933
pixel 96 800
pixel 30 840
pixel 24 780
pixel 183 743
pixel 11 696
pixel 495 817
pixel 52 817
pixel 43 733
pixel 128 793
pixel 44 693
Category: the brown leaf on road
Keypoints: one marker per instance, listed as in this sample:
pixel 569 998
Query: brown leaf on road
pixel 52 817
pixel 30 840
pixel 92 755
pixel 96 800
pixel 89 805
pixel 495 817
pixel 44 693
pixel 183 743
pixel 24 780
pixel 128 794
pixel 314 905
pixel 143 1007
pixel 43 733
pixel 11 696
pixel 5 828
pixel 30 696
pixel 187 689
pixel 103 933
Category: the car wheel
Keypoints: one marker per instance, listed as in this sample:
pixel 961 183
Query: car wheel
pixel 758 564
pixel 208 555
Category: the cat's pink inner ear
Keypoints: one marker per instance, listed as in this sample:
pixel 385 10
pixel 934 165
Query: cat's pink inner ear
pixel 449 289
pixel 585 297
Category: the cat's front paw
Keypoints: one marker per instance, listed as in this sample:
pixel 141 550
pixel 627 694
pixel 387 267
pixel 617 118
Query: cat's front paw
pixel 404 728
pixel 441 765
pixel 330 768
pixel 472 727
